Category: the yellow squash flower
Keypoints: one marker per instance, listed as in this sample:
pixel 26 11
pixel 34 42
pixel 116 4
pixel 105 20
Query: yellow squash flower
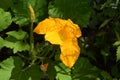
pixel 63 33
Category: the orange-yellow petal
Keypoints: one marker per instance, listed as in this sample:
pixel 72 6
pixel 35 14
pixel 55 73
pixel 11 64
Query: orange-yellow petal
pixel 69 52
pixel 68 60
pixel 66 33
pixel 44 26
pixel 70 31
pixel 76 29
pixel 53 37
pixel 49 24
pixel 59 37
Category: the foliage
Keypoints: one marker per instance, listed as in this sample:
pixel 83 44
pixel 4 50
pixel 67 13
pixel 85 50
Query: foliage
pixel 80 12
pixel 27 73
pixel 5 19
pixel 6 68
pixel 22 52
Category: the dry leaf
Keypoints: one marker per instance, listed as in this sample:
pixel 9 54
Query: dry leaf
pixel 44 67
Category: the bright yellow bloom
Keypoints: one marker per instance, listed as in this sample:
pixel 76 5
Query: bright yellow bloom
pixel 70 52
pixel 63 33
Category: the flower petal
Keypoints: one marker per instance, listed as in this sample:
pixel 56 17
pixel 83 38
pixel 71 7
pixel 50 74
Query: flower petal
pixel 76 29
pixel 44 26
pixel 49 24
pixel 68 60
pixel 69 52
pixel 53 37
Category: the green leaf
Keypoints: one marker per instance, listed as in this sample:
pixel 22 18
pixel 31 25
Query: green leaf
pixel 77 10
pixel 85 71
pixel 63 73
pixel 27 73
pixel 22 13
pixel 104 23
pixel 19 35
pixel 5 19
pixel 40 9
pixel 20 46
pixel 115 71
pixel 51 71
pixel 5 4
pixel 1 43
pixel 11 39
pixel 106 76
pixel 117 43
pixel 17 46
pixel 118 53
pixel 9 44
pixel 6 68
pixel 5 43
pixel 63 77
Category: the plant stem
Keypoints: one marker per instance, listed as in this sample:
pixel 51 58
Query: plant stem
pixel 31 40
pixel 32 17
pixel 23 56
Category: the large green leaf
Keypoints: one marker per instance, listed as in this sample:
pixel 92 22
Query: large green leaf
pixel 77 10
pixel 63 73
pixel 20 46
pixel 28 73
pixel 9 44
pixel 6 68
pixel 17 46
pixel 17 39
pixel 51 71
pixel 5 19
pixel 40 9
pixel 83 70
pixel 22 13
pixel 19 35
pixel 5 4
pixel 5 43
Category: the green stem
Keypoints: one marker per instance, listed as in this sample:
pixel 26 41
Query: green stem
pixel 31 41
pixel 22 56
pixel 32 17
